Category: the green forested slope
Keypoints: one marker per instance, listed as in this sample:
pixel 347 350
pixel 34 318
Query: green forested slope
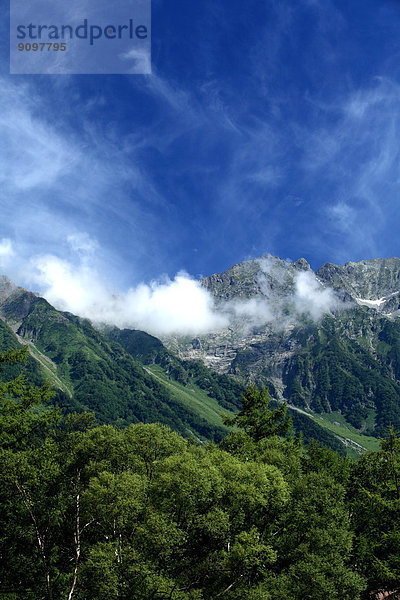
pixel 192 382
pixel 349 365
pixel 101 375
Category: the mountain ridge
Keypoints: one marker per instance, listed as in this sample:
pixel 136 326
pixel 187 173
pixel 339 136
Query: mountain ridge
pixel 124 376
pixel 342 359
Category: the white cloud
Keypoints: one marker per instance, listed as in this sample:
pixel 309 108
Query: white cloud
pixel 345 216
pixel 311 297
pixel 32 155
pixel 357 152
pixel 286 295
pixel 179 306
pixel 6 247
pixel 55 178
pixel 257 310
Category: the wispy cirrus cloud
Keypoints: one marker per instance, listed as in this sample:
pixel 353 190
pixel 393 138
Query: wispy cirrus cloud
pixel 56 181
pixel 356 156
pixel 237 145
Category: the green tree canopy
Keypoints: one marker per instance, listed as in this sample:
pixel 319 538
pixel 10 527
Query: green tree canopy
pixel 257 419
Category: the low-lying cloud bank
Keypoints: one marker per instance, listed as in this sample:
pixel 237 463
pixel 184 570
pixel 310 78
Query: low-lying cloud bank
pixel 180 306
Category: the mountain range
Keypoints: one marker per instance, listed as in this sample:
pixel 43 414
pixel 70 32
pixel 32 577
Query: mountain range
pixel 326 342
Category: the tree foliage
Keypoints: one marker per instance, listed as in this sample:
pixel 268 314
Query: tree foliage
pixel 90 512
pixel 257 419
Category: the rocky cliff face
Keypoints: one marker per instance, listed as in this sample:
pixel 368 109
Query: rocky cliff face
pixel 328 340
pixel 260 296
pixel 15 302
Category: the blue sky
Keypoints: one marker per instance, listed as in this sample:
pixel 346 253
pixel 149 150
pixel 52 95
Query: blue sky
pixel 266 127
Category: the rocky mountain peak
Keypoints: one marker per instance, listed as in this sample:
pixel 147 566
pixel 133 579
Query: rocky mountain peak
pixel 7 288
pixel 301 265
pixel 15 301
pixel 374 283
pixel 265 276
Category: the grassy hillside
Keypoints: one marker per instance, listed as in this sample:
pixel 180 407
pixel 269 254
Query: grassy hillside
pixel 101 376
pixel 192 396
